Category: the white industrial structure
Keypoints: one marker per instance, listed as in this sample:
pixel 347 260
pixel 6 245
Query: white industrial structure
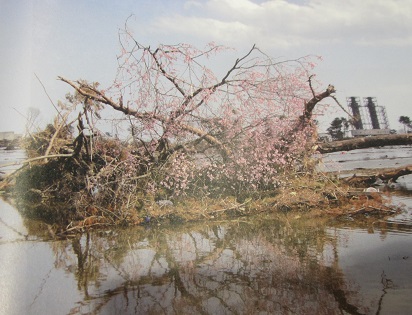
pixel 370 119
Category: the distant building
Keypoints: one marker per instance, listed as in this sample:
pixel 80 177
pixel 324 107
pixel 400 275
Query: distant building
pixel 9 135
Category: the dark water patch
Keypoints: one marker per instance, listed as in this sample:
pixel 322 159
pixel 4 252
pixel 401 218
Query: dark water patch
pixel 377 261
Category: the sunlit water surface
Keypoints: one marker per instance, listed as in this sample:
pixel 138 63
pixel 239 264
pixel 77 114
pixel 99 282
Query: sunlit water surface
pixel 284 264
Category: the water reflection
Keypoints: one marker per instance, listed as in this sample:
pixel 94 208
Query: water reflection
pixel 265 265
pixel 241 268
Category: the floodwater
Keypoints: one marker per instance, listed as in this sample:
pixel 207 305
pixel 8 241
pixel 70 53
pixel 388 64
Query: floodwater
pixel 375 158
pixel 9 160
pixel 284 264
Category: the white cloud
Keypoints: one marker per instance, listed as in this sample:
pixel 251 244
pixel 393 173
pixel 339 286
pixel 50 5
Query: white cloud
pixel 280 23
pixel 366 44
pixel 243 7
pixel 192 4
pixel 206 28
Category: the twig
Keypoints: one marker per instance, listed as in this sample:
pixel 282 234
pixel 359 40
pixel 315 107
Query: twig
pixel 81 227
pixel 343 108
pixel 51 101
pixel 6 179
pixel 27 121
pixel 55 135
pixel 26 236
pixel 310 85
pixel 231 208
pixel 37 158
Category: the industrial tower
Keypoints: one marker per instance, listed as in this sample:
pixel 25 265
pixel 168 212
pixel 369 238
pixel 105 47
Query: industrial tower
pixel 370 119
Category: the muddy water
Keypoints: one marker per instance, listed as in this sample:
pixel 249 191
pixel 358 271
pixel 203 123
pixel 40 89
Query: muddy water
pixel 285 264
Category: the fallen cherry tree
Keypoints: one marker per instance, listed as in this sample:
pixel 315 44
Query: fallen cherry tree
pixel 184 133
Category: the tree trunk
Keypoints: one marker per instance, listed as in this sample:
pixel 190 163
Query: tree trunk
pixel 364 142
pixel 310 105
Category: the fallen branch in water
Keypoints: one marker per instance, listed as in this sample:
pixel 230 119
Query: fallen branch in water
pixel 234 207
pixel 82 228
pixel 371 209
pixel 7 179
pixel 385 177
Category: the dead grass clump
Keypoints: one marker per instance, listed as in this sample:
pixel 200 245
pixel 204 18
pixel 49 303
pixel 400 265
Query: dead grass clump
pixel 78 209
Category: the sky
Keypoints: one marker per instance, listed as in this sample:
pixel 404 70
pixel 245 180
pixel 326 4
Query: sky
pixel 366 46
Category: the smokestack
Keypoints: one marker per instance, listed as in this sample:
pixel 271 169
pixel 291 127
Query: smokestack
pixel 354 105
pixel 370 104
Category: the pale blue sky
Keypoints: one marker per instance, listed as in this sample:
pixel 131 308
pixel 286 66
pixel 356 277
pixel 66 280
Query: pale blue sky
pixel 366 45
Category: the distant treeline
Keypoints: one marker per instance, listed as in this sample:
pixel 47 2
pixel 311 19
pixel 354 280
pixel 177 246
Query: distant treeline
pixel 10 144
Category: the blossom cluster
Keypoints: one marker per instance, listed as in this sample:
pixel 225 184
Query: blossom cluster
pixel 239 130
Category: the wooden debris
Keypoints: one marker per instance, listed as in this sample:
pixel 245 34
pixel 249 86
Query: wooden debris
pixel 387 177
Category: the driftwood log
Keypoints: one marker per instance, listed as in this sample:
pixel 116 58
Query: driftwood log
pixel 364 142
pixel 383 177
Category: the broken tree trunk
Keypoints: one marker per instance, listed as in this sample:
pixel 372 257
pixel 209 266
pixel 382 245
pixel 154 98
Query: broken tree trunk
pixel 364 142
pixel 310 105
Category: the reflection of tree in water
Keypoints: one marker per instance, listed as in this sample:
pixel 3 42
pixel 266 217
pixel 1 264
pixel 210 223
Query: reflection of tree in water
pixel 244 268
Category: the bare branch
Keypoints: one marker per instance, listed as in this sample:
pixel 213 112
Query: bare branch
pixel 55 135
pixel 310 85
pixel 165 74
pixel 337 102
pixel 214 87
pixel 48 96
pixel 37 158
pixel 96 95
